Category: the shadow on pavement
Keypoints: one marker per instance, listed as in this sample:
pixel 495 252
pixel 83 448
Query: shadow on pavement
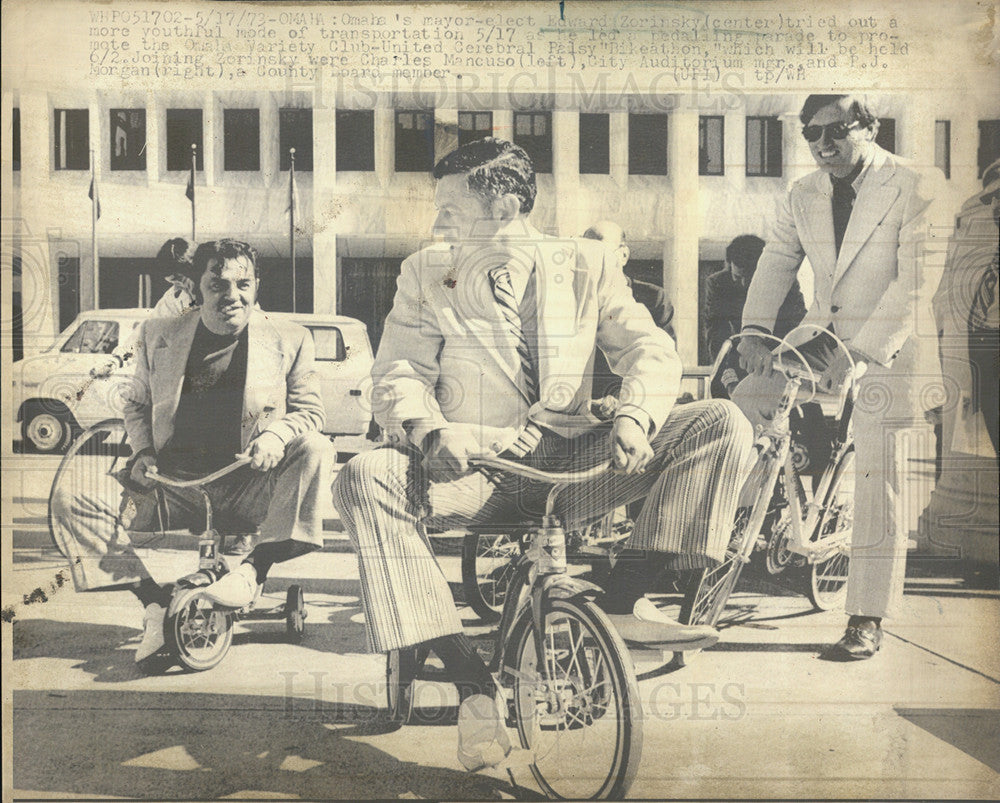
pixel 974 731
pixel 194 746
pixel 96 646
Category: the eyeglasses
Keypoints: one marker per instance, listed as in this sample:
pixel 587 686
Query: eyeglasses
pixel 838 130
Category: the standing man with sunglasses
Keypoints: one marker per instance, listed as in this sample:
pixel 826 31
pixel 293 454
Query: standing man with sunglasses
pixel 862 220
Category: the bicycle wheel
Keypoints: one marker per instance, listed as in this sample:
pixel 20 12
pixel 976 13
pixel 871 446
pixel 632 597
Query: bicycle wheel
pixel 827 587
pixel 488 563
pixel 582 722
pixel 87 471
pixel 708 590
pixel 199 633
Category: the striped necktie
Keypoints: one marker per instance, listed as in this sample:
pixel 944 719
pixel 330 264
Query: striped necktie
pixel 503 293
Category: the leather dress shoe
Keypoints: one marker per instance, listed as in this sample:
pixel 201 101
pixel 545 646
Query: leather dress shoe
pixel 858 643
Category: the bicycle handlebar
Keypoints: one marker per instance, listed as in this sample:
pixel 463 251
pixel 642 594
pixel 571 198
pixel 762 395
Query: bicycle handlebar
pixel 554 477
pixel 173 482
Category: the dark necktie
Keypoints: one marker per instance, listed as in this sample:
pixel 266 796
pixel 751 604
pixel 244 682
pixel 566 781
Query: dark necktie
pixel 843 203
pixel 503 293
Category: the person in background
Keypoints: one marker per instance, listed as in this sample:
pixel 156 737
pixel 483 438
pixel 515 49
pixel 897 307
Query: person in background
pixel 726 294
pixel 653 298
pixel 174 259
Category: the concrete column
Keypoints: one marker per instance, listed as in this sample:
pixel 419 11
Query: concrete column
pixel 618 146
pixel 155 136
pixel 503 124
pixel 566 170
pixel 324 176
pixel 385 143
pixel 39 274
pixel 680 251
pixel 211 135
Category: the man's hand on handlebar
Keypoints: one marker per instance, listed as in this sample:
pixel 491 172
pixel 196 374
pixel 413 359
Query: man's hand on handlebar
pixel 755 356
pixel 265 451
pixel 139 467
pixel 838 371
pixel 630 449
pixel 447 452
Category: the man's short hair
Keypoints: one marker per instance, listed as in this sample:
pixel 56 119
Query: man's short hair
pixel 860 111
pixel 496 167
pixel 221 250
pixel 744 251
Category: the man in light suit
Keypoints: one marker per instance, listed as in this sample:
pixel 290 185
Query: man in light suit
pixel 486 350
pixel 862 220
pixel 209 384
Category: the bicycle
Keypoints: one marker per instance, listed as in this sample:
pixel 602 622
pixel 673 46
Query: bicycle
pixel 197 632
pixel 777 514
pixel 573 693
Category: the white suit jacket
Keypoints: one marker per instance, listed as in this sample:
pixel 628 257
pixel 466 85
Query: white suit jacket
pixel 446 360
pixel 875 290
pixel 281 395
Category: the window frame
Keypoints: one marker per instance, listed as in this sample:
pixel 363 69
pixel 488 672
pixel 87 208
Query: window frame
pixel 590 163
pixel 250 112
pixel 767 170
pixel 541 160
pixel 645 166
pixel 703 120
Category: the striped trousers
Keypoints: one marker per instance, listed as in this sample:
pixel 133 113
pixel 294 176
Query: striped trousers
pixel 701 456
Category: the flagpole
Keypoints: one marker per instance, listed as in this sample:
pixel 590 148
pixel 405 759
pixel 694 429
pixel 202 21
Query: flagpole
pixel 194 151
pixel 291 222
pixel 93 231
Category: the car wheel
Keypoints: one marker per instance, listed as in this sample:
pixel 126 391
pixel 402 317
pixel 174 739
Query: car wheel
pixel 46 431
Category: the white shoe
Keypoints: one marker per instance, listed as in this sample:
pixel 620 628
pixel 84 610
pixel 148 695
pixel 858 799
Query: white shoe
pixel 236 589
pixel 482 734
pixel 649 626
pixel 152 632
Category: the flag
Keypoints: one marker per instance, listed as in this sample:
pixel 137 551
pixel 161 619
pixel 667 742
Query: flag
pixel 189 192
pixel 92 194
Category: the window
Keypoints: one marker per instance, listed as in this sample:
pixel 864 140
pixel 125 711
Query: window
pixel 295 130
pixel 93 337
pixel 763 146
pixel 942 146
pixel 989 144
pixel 15 139
pixel 595 143
pixel 355 136
pixel 414 141
pixel 128 139
pixel 72 139
pixel 241 139
pixel 533 132
pixel 473 126
pixel 647 144
pixel 329 344
pixel 711 133
pixel 184 129
pixel 886 136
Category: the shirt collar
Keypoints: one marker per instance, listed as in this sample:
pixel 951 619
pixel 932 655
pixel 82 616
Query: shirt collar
pixel 859 174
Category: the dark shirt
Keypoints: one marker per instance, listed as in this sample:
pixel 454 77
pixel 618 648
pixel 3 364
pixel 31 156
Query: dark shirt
pixel 843 203
pixel 724 302
pixel 207 430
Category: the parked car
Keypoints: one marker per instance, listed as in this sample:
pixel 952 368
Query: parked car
pixel 82 378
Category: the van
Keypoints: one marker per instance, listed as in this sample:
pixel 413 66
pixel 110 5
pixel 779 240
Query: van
pixel 83 376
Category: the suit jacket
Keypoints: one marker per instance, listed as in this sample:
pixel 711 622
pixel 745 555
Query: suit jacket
pixel 874 291
pixel 446 360
pixel 724 302
pixel 281 396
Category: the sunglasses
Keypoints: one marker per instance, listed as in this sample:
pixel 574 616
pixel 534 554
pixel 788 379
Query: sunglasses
pixel 813 133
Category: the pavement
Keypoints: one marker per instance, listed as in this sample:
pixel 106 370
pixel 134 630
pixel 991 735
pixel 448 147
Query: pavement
pixel 756 716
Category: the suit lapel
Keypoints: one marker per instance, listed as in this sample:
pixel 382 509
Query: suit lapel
pixel 265 364
pixel 167 364
pixel 817 215
pixel 870 207
pixel 558 313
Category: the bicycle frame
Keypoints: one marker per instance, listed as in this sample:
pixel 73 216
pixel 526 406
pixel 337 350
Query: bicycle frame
pixel 541 572
pixel 806 515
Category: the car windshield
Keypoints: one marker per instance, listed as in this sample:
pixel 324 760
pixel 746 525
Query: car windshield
pixel 93 337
